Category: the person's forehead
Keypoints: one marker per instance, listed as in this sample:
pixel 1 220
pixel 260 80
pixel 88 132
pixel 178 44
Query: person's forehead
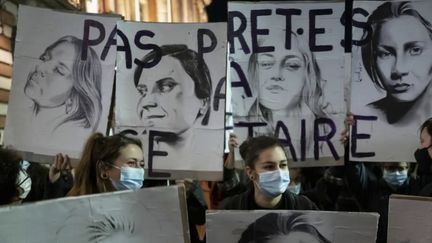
pixel 279 45
pixel 403 29
pixel 274 154
pixel 131 151
pixel 167 67
pixel 63 49
pixel 395 164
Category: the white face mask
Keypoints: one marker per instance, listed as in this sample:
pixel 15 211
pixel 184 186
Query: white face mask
pixel 273 183
pixel 295 188
pixel 130 178
pixel 24 182
pixel 395 178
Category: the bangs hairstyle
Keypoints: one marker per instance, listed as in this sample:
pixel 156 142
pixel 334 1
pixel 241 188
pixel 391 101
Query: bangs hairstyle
pixel 384 13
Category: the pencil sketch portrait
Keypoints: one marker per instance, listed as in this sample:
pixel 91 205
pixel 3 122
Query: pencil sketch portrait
pixel 289 87
pixel 398 60
pixel 175 94
pixel 65 90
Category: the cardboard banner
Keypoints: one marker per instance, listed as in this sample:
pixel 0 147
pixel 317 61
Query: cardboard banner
pixel 290 226
pixel 391 78
pixel 63 77
pixel 170 92
pixel 287 76
pixel 156 215
pixel 409 219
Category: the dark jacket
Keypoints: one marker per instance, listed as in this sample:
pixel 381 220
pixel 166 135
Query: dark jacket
pixel 59 188
pixel 426 191
pixel 196 216
pixel 373 192
pixel 246 201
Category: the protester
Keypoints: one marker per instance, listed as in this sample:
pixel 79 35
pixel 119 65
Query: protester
pixel 235 179
pixel 38 173
pixel 373 191
pixel 109 163
pixel 267 168
pixel 423 154
pixel 15 183
pixel 60 178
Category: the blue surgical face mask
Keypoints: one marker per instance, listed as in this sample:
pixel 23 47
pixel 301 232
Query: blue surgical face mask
pixel 396 178
pixel 273 183
pixel 295 188
pixel 130 178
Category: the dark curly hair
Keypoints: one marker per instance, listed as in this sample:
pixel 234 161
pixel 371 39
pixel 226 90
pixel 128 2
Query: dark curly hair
pixel 9 171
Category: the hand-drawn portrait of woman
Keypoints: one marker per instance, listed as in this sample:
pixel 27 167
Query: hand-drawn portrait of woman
pixel 289 85
pixel 175 94
pixel 65 90
pixel 278 228
pixel 398 59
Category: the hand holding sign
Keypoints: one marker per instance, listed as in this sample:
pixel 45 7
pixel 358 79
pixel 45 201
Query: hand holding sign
pixel 61 167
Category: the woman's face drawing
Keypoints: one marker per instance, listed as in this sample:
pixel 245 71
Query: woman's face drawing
pixel 404 58
pixel 168 99
pixel 50 83
pixel 294 237
pixel 281 76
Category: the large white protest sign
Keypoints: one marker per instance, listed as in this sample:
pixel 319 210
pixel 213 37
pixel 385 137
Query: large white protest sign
pixel 409 219
pixel 391 78
pixel 63 77
pixel 170 91
pixel 287 76
pixel 290 226
pixel 154 215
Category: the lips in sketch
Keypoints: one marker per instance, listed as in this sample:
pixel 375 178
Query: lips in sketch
pixel 33 80
pixel 275 89
pixel 401 87
pixel 150 119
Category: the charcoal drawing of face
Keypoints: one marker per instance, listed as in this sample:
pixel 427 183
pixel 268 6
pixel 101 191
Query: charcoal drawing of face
pixel 397 56
pixel 174 94
pixel 61 79
pixel 404 58
pixel 50 83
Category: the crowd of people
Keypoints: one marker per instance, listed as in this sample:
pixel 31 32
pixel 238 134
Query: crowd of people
pixel 265 182
pixel 111 163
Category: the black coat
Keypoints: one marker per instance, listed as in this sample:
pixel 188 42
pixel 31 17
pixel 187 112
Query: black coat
pixel 373 192
pixel 246 201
